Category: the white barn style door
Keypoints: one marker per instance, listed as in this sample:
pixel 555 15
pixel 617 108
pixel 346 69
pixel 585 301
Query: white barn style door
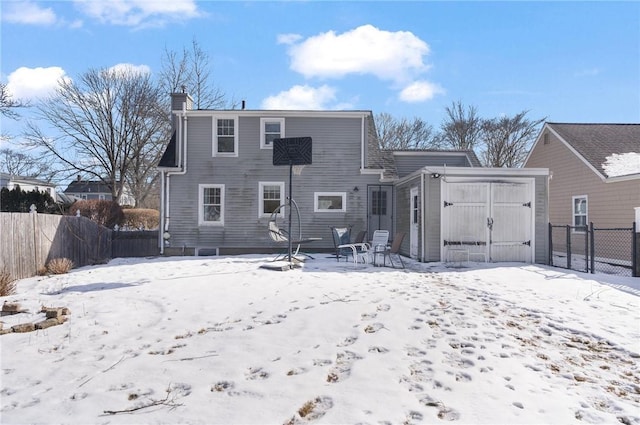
pixel 487 221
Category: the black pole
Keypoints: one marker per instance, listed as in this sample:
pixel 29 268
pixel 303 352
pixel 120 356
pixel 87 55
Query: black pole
pixel 635 242
pixel 592 240
pixel 568 236
pixel 290 197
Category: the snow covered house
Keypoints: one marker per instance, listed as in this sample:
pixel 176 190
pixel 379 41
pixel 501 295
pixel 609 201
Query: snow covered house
pixel 219 188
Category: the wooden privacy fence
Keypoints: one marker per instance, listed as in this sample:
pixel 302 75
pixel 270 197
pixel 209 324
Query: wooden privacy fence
pixel 29 240
pixel 137 243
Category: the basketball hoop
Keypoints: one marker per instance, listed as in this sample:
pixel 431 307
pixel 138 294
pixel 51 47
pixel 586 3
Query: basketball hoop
pixel 297 169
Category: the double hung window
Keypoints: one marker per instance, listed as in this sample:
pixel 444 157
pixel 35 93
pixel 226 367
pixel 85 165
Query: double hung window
pixel 225 139
pixel 580 213
pixel 271 197
pixel 211 204
pixel 270 129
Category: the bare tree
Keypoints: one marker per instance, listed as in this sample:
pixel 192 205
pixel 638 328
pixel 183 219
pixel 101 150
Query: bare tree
pixel 8 103
pixel 190 71
pixel 507 140
pixel 400 134
pixel 461 128
pixel 22 164
pixel 102 124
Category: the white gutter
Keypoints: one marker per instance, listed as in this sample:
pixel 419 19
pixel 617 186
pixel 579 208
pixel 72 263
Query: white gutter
pixel 164 225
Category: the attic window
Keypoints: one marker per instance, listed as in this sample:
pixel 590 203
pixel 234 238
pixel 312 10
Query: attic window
pixel 546 138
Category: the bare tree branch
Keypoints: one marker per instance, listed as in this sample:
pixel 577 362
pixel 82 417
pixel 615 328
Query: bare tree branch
pixel 101 124
pixel 8 104
pixel 462 127
pixel 22 164
pixel 190 71
pixel 402 134
pixel 507 140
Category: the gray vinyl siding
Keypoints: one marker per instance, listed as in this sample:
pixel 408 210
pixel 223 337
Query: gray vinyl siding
pixel 432 218
pixel 407 164
pixel 403 214
pixel 541 249
pixel 336 168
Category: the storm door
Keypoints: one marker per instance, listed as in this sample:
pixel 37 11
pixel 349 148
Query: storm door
pixel 380 206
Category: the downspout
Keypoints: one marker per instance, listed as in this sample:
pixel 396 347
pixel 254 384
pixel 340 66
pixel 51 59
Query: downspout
pixel 362 143
pixel 182 161
pixel 423 220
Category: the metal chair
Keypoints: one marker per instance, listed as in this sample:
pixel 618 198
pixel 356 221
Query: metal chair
pixel 394 249
pixel 358 249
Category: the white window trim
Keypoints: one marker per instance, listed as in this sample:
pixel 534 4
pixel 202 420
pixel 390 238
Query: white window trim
pixel 201 221
pixel 573 213
pixel 215 136
pixel 316 195
pixel 261 186
pixel 263 121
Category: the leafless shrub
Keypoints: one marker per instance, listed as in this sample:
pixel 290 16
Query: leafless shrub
pixel 7 283
pixel 59 265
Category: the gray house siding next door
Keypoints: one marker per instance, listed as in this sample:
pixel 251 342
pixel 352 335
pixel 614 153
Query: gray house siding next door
pixel 380 209
pixel 490 218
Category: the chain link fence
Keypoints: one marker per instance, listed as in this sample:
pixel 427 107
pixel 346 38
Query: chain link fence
pixel 592 249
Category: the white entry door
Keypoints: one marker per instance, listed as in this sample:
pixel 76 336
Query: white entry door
pixel 414 209
pixel 489 220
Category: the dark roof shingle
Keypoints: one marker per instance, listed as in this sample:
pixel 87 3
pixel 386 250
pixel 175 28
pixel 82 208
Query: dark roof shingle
pixel 596 142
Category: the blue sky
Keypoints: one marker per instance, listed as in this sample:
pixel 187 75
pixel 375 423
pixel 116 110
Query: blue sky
pixel 566 61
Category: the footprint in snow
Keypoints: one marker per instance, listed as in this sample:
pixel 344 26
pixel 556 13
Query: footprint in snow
pixel 350 340
pixel 254 373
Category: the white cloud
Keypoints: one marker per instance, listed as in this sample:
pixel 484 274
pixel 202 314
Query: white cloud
pixel 138 13
pixel 288 38
pixel 420 91
pixel 28 83
pixel 391 56
pixel 301 97
pixel 26 12
pixel 622 164
pixel 130 68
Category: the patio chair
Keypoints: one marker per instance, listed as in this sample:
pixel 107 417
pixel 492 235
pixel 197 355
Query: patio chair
pixel 280 236
pixel 394 249
pixel 358 249
pixel 378 245
pixel 341 236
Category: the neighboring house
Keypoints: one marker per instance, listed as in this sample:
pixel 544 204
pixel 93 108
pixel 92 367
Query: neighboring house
pixel 595 171
pixel 27 184
pixel 219 185
pixel 88 189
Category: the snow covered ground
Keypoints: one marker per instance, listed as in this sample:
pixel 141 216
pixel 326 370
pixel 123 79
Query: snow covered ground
pixel 220 340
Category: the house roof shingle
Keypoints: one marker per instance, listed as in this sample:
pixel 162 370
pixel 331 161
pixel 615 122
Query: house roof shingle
pixel 85 186
pixel 598 142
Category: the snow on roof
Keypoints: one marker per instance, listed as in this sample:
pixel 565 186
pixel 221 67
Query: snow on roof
pixel 622 164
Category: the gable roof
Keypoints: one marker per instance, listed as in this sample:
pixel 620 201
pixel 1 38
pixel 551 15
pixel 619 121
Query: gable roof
pixel 11 178
pixel 596 144
pixel 87 186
